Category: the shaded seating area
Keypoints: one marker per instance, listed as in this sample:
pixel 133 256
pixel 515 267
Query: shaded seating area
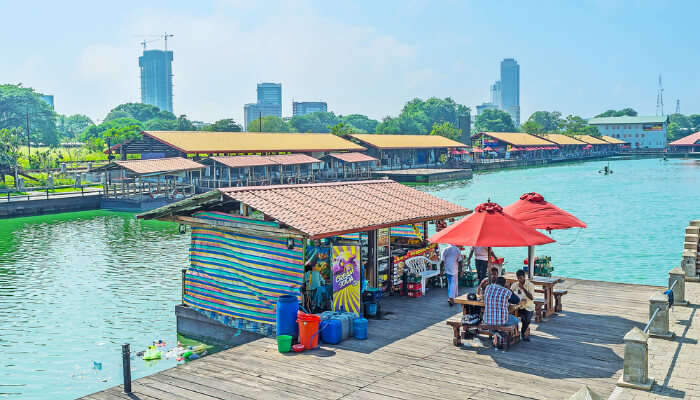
pixel 688 144
pixel 348 165
pixel 595 145
pixel 294 168
pixel 256 170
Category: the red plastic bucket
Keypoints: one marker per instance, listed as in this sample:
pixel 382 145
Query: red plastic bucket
pixel 308 330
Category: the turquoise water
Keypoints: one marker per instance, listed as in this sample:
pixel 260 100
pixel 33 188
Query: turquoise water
pixel 74 287
pixel 636 216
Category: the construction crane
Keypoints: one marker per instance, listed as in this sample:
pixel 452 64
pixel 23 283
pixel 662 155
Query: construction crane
pixel 163 37
pixel 145 42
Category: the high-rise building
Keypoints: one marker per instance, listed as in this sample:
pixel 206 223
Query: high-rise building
pixel 496 93
pixel 485 106
pixel 157 78
pixel 307 107
pixel 269 103
pixel 510 89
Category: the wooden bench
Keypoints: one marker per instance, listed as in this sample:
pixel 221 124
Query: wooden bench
pixel 511 333
pixel 558 293
pixel 456 330
pixel 539 310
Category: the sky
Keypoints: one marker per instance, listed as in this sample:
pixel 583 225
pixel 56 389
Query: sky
pixel 368 57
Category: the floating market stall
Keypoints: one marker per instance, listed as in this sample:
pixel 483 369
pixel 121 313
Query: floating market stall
pixel 251 245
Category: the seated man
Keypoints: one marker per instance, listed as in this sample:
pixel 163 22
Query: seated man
pixel 493 274
pixel 526 291
pixel 496 300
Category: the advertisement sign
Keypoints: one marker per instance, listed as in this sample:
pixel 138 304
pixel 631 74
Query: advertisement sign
pixel 653 127
pixel 346 279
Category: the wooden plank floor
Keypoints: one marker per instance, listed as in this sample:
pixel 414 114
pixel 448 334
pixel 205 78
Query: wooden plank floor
pixel 410 355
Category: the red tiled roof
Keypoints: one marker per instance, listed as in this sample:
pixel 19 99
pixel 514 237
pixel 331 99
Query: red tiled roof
pixel 159 165
pixel 689 140
pixel 292 159
pixel 243 161
pixel 352 157
pixel 329 209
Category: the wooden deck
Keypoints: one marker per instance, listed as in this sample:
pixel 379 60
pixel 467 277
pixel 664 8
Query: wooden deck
pixel 410 355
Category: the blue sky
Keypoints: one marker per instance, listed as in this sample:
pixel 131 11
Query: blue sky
pixel 367 57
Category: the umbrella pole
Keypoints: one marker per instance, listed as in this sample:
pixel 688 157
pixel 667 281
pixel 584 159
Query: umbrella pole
pixel 530 260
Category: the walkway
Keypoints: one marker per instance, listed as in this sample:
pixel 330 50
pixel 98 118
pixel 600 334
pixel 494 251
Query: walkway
pixel 410 355
pixel 674 364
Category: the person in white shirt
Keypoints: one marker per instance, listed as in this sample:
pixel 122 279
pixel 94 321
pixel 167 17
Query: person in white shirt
pixel 481 260
pixel 451 256
pixel 526 291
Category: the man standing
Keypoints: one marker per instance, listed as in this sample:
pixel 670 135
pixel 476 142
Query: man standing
pixel 481 260
pixel 525 290
pixel 496 300
pixel 451 256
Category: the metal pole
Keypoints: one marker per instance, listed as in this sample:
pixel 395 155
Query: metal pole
pixel 646 328
pixel 184 275
pixel 126 363
pixel 29 143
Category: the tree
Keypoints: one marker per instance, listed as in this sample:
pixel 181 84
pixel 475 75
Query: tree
pixel 341 129
pixel 270 123
pixel 315 122
pixel 418 116
pixel 575 125
pixel 549 122
pixel 531 127
pixel 158 124
pixel 694 122
pixel 117 131
pixel 361 122
pixel 493 120
pixel 16 102
pixel 447 130
pixel 69 127
pixel 9 149
pixel 184 124
pixel 138 111
pixel 620 113
pixel 224 125
pixel 674 131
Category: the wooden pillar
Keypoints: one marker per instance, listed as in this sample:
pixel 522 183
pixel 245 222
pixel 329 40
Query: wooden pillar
pixel 371 273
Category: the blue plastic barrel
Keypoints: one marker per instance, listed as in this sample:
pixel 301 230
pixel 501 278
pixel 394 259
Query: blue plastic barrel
pixel 332 332
pixel 287 308
pixel 371 309
pixel 360 328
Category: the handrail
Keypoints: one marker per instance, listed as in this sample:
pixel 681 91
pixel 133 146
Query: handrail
pixel 646 328
pixel 672 285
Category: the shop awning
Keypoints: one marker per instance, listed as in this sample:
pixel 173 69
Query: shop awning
pixel 324 209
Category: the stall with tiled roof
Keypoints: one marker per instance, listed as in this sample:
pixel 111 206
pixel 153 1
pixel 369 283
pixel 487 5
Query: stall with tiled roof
pixel 407 151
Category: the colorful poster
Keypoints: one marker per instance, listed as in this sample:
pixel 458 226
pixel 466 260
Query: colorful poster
pixel 346 279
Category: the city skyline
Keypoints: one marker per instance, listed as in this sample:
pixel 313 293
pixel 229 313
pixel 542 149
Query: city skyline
pixel 366 63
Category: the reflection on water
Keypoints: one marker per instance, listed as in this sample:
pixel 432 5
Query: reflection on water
pixel 636 216
pixel 73 288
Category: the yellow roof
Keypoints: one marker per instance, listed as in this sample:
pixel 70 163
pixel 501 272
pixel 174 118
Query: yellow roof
pixel 518 138
pixel 407 141
pixel 193 142
pixel 612 140
pixel 590 139
pixel 562 140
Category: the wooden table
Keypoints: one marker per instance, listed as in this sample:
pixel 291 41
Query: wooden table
pixel 479 302
pixel 547 286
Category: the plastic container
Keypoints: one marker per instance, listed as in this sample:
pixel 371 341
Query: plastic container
pixel 308 330
pixel 284 343
pixel 371 309
pixel 360 328
pixel 286 315
pixel 331 331
pixel 345 318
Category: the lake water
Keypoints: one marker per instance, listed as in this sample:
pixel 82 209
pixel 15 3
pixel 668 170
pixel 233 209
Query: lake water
pixel 74 287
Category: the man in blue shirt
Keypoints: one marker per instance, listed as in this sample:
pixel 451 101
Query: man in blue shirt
pixel 451 256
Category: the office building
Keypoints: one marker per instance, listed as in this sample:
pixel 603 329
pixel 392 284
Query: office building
pixel 269 103
pixel 639 132
pixel 510 89
pixel 157 78
pixel 307 107
pixel 496 93
pixel 485 106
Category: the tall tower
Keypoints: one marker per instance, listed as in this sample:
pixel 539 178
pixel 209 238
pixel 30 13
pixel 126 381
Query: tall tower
pixel 157 78
pixel 510 89
pixel 678 106
pixel 660 99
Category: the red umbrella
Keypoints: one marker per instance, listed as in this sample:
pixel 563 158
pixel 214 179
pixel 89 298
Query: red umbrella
pixel 488 226
pixel 477 150
pixel 488 148
pixel 535 212
pixel 514 149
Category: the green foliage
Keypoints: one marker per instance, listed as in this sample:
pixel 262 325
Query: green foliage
pixel 115 131
pixel 549 122
pixel 532 127
pixel 224 125
pixel 70 127
pixel 270 123
pixel 694 122
pixel 316 122
pixel 138 111
pixel 619 113
pixel 43 159
pixel 361 122
pixel 341 129
pixel 419 116
pixel 158 124
pixel 673 131
pixel 575 125
pixel 9 148
pixel 447 130
pixel 184 124
pixel 15 102
pixel 493 120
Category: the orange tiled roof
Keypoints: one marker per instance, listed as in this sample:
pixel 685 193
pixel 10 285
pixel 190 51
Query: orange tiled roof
pixel 243 161
pixel 329 209
pixel 352 157
pixel 293 159
pixel 159 165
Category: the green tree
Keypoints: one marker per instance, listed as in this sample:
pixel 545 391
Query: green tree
pixel 9 149
pixel 532 127
pixel 69 127
pixel 418 116
pixel 138 111
pixel 15 102
pixel 549 122
pixel 673 131
pixel 447 130
pixel 315 122
pixel 270 123
pixel 158 124
pixel 224 125
pixel 575 125
pixel 361 122
pixel 341 129
pixel 115 131
pixel 620 113
pixel 184 124
pixel 493 120
pixel 694 122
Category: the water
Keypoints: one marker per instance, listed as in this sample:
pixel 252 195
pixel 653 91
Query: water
pixel 74 287
pixel 636 216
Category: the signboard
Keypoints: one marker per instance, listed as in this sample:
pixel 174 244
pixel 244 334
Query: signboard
pixel 653 127
pixel 425 255
pixel 346 279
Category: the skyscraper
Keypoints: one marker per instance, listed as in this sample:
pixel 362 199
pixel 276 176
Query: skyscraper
pixel 510 89
pixel 157 78
pixel 496 93
pixel 307 107
pixel 269 103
